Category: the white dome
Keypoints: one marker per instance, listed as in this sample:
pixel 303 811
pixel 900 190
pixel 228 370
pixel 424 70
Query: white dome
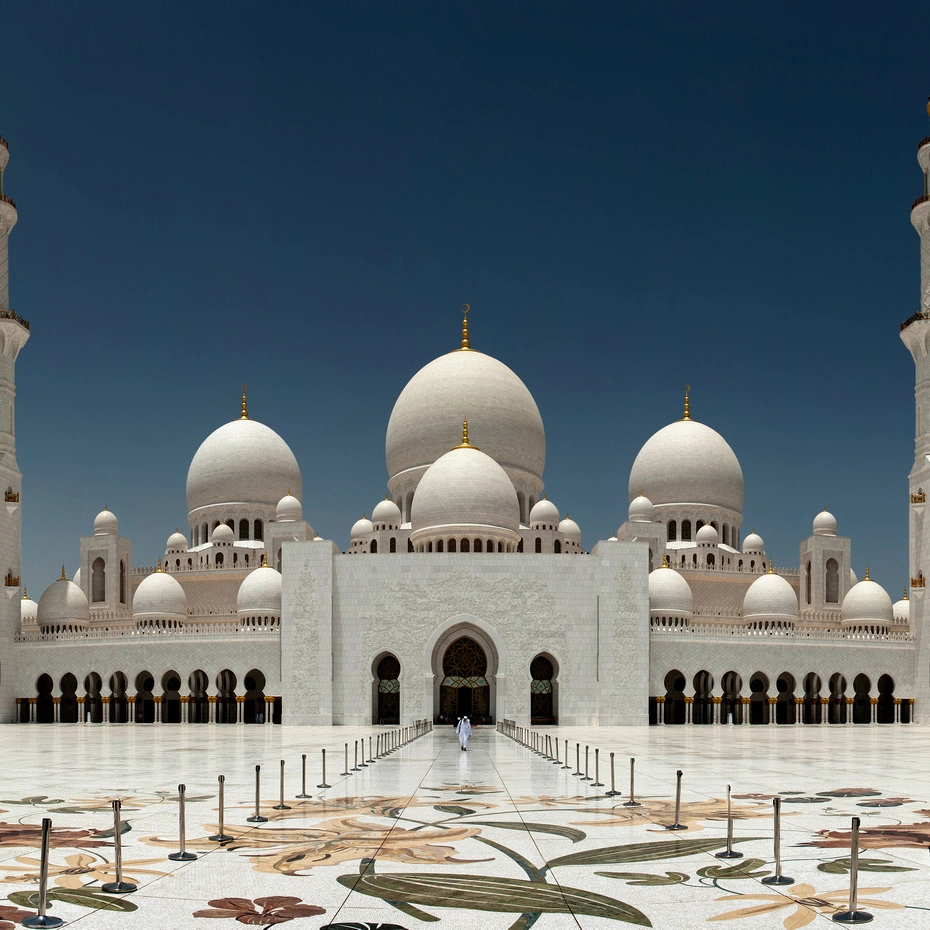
pixel 770 597
pixel 544 513
pixel 669 594
pixel 570 529
pixel 289 510
pixel 223 535
pixel 465 383
pixel 707 536
pixel 853 578
pixel 242 462
pixel 105 522
pixel 260 593
pixel 901 610
pixel 825 524
pixel 76 578
pixel 63 603
pixel 28 609
pixel 159 597
pixel 688 463
pixel 753 543
pixel 641 510
pixel 177 542
pixel 386 511
pixel 867 602
pixel 465 488
pixel 361 528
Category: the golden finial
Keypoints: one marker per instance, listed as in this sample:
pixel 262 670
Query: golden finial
pixel 159 568
pixel 25 594
pixel 687 415
pixel 245 406
pixel 465 444
pixel 465 343
pixel 665 560
pixel 771 570
pixel 63 578
pixel 264 560
pixel 905 593
pixel 867 573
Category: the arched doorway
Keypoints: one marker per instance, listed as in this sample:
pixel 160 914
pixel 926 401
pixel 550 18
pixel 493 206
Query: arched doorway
pixel 542 693
pixel 702 711
pixel 464 689
pixel 68 705
pixel 785 707
pixel 198 706
pixel 254 709
pixel 837 699
pixel 862 702
pixel 119 702
pixel 145 699
pixel 226 710
pixel 388 700
pixel 813 709
pixel 885 699
pixel 45 703
pixel 731 705
pixel 758 698
pixel 674 697
pixel 93 701
pixel 171 697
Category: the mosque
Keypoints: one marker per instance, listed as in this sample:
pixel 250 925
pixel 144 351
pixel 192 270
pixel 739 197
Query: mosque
pixel 466 591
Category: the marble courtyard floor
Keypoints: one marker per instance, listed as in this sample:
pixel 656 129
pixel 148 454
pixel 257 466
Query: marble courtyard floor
pixel 497 837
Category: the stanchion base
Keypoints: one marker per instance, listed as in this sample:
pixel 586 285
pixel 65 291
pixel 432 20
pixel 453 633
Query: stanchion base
pixel 778 880
pixel 631 803
pixel 587 778
pixel 302 795
pixel 46 920
pixel 281 807
pixel 597 784
pixel 256 819
pixel 611 794
pixel 324 785
pixel 844 917
pixel 183 856
pixel 220 838
pixel 363 765
pixel 355 769
pixel 729 854
pixel 119 887
pixel 675 826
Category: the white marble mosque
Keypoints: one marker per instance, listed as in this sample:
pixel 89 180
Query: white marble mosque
pixel 466 590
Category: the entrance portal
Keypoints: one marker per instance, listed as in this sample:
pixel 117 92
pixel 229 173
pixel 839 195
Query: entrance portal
pixel 465 688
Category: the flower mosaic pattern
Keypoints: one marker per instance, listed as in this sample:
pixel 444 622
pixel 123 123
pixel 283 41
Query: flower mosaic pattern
pixel 274 910
pixel 79 870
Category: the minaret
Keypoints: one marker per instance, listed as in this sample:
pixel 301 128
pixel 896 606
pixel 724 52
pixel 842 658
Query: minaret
pixel 14 331
pixel 915 333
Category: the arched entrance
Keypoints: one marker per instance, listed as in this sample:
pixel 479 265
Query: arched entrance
pixel 68 704
pixel 171 697
pixel 45 703
pixel 885 699
pixel 145 699
pixel 813 708
pixel 837 698
pixel 702 711
pixel 93 701
pixel 226 706
pixel 464 689
pixel 674 697
pixel 758 698
pixel 862 702
pixel 731 705
pixel 198 706
pixel 119 700
pixel 254 710
pixel 542 692
pixel 388 675
pixel 785 707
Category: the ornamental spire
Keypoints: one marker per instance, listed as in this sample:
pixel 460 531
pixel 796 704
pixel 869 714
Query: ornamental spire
pixel 687 415
pixel 465 343
pixel 63 574
pixel 245 407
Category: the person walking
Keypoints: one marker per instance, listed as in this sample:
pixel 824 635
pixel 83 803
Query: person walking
pixel 463 728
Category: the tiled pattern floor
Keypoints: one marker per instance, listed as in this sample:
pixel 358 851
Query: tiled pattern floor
pixel 497 837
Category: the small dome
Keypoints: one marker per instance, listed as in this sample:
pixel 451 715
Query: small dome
pixel 289 510
pixel 159 597
pixel 641 510
pixel 223 535
pixel 361 528
pixel 544 513
pixel 901 610
pixel 105 522
pixel 707 536
pixel 177 542
pixel 825 524
pixel 770 597
pixel 28 609
pixel 63 604
pixel 260 593
pixel 867 602
pixel 669 594
pixel 753 544
pixel 386 512
pixel 570 529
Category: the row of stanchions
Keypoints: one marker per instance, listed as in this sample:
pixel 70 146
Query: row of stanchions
pixel 542 745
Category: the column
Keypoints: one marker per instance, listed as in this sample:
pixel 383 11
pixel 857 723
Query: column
pixel 689 701
pixel 56 703
pixel 211 708
pixel 897 710
pixel 660 707
pixel 825 710
pixel 80 704
pixel 773 706
pixel 799 711
pixel 184 708
pixel 269 708
pixel 849 711
pixel 874 708
pixel 32 710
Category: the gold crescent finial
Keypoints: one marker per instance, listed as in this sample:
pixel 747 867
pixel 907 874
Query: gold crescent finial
pixel 264 560
pixel 687 415
pixel 665 560
pixel 245 406
pixel 905 593
pixel 63 573
pixel 158 567
pixel 867 573
pixel 25 593
pixel 465 444
pixel 465 343
pixel 771 571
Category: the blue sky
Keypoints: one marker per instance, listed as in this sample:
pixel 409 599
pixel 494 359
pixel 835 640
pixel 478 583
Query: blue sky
pixel 301 195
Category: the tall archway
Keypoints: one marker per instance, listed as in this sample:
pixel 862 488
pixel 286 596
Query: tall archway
pixel 145 699
pixel 862 701
pixel 542 691
pixel 93 700
pixel 785 706
pixel 171 697
pixel 198 704
pixel 702 711
pixel 254 710
pixel 837 698
pixel 758 698
pixel 675 697
pixel 119 701
pixel 813 708
pixel 731 705
pixel 885 699
pixel 464 689
pixel 226 709
pixel 45 703
pixel 387 675
pixel 68 705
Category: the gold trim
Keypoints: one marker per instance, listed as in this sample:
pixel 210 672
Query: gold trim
pixel 466 344
pixel 245 407
pixel 687 415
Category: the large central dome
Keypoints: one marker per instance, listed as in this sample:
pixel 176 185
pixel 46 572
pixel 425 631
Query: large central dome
pixel 465 383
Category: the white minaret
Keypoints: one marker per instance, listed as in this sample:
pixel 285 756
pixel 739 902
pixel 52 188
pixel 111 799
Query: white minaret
pixel 915 333
pixel 14 331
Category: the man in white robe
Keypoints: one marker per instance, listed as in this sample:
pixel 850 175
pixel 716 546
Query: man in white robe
pixel 463 728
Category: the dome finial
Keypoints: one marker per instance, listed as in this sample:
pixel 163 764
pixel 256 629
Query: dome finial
pixel 867 573
pixel 63 574
pixel 159 568
pixel 465 444
pixel 771 570
pixel 465 343
pixel 245 407
pixel 26 595
pixel 264 560
pixel 904 598
pixel 665 560
pixel 687 415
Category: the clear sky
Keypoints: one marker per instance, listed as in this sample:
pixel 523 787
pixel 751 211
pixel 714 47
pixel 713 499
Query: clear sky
pixel 301 195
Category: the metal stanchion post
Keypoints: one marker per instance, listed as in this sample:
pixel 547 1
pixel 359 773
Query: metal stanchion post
pixel 303 777
pixel 565 757
pixel 118 886
pixel 363 764
pixel 182 855
pixel 345 773
pixel 355 767
pixel 777 878
pixel 371 758
pixel 577 771
pixel 281 806
pixel 851 916
pixel 586 753
pixel 613 786
pixel 556 760
pixel 632 802
pixel 729 853
pixel 42 919
pixel 257 816
pixel 597 783
pixel 220 836
pixel 677 825
pixel 323 784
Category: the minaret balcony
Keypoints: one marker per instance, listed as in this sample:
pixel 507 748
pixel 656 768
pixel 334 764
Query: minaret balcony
pixel 919 498
pixel 920 145
pixel 919 315
pixel 919 582
pixel 920 200
pixel 11 315
pixel 12 202
pixel 6 144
